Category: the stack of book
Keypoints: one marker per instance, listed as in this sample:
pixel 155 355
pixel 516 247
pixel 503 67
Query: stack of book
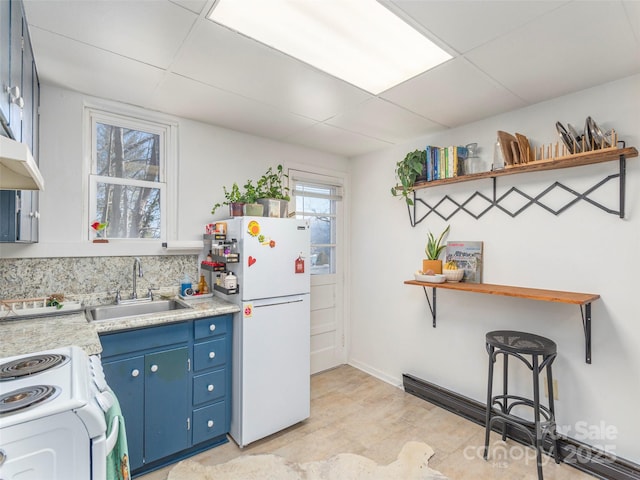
pixel 444 162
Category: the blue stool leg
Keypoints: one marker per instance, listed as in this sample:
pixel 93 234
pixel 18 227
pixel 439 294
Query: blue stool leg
pixel 490 350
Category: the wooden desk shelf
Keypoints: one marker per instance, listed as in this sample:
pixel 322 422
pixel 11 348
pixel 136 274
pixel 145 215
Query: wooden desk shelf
pixel 581 299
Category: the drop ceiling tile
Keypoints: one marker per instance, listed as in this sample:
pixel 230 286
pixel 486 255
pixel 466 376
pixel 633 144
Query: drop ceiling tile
pixel 385 121
pixel 222 58
pixel 464 25
pixel 453 94
pixel 149 31
pixel 632 8
pixel 335 140
pixel 191 99
pixel 195 6
pixel 580 45
pixel 77 66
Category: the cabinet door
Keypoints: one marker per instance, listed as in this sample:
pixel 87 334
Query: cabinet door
pixel 5 59
pixel 15 68
pixel 126 379
pixel 166 403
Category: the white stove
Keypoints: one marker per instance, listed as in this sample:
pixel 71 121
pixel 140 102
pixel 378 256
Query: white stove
pixel 52 424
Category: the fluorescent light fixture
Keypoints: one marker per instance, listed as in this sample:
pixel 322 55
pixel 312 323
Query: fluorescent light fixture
pixel 359 41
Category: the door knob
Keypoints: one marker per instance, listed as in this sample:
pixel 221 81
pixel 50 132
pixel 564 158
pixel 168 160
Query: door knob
pixel 135 372
pixel 154 368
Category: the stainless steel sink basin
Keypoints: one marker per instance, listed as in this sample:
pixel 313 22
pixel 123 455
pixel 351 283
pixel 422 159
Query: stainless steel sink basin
pixel 111 312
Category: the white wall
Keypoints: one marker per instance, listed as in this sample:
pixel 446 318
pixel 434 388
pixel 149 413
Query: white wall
pixel 583 250
pixel 209 157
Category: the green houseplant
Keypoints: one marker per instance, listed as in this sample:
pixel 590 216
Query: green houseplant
pixel 235 198
pixel 251 206
pixel 407 171
pixel 273 193
pixel 433 250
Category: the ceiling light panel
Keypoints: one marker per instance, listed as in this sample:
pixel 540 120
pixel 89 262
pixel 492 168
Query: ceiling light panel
pixel 359 41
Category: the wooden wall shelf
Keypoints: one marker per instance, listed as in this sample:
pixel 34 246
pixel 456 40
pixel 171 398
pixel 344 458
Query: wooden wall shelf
pixel 581 299
pixel 577 160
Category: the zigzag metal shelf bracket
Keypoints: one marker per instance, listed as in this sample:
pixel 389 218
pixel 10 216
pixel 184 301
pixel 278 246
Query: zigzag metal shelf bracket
pixel 496 201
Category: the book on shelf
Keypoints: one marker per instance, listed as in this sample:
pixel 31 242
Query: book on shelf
pixel 443 162
pixel 468 256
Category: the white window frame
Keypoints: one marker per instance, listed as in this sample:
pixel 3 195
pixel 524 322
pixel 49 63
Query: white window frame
pixel 136 119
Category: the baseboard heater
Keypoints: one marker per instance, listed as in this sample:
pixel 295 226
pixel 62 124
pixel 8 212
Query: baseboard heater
pixel 579 455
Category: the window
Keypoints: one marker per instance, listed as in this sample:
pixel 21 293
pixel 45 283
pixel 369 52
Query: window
pixel 318 203
pixel 128 181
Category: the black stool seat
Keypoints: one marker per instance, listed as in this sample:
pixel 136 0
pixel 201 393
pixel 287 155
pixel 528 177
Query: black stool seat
pixel 521 342
pixel 542 352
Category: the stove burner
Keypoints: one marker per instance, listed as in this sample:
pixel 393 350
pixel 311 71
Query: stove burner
pixel 31 365
pixel 26 397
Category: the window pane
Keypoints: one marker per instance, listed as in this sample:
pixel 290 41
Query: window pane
pixel 130 212
pixel 322 260
pixel 127 153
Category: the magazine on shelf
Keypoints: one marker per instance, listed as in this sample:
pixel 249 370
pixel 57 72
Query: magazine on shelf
pixel 468 256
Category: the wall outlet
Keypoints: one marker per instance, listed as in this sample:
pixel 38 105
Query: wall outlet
pixel 555 388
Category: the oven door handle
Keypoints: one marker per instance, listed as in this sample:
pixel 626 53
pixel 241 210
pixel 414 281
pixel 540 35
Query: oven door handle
pixel 113 436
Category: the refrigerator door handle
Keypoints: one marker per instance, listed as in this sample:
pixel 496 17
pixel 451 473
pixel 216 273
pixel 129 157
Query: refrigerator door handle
pixel 277 303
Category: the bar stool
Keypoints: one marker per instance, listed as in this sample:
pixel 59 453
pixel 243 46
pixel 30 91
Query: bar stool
pixel 543 352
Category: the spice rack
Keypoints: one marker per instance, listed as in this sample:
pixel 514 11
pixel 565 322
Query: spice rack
pixel 220 259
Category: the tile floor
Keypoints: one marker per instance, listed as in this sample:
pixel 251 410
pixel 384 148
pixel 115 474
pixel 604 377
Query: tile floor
pixel 352 411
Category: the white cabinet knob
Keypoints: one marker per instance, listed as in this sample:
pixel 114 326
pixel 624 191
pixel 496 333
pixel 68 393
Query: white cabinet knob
pixel 210 388
pixel 212 354
pixel 14 91
pixel 212 327
pixel 135 372
pixel 154 368
pixel 210 423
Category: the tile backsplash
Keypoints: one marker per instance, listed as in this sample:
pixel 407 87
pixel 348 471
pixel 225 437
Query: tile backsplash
pixel 94 280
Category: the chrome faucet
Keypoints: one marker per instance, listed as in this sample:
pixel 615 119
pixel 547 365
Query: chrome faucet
pixel 136 261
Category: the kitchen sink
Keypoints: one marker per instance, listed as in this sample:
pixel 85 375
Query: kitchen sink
pixel 111 312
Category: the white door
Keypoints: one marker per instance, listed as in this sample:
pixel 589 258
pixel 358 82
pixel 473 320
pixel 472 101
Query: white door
pixel 318 199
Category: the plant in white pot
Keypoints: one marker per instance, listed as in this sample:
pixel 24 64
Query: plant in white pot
pixel 251 206
pixel 273 193
pixel 433 250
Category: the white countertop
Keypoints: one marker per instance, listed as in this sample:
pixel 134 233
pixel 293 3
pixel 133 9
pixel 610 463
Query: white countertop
pixel 23 336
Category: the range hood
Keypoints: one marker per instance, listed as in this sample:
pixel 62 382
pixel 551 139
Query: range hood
pixel 18 169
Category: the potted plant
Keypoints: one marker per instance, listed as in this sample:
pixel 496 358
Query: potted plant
pixel 251 206
pixel 408 170
pixel 235 200
pixel 273 193
pixel 433 250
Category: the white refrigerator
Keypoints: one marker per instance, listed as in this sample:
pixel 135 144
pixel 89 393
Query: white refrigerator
pixel 271 336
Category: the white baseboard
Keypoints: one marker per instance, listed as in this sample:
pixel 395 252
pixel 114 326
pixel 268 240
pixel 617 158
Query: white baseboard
pixel 391 380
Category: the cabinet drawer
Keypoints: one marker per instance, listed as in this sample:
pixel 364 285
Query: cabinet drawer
pixel 209 422
pixel 209 386
pixel 209 354
pixel 144 339
pixel 209 327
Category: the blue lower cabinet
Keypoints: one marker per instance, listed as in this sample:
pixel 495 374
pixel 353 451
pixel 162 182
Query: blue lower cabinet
pixel 175 394
pixel 166 404
pixel 209 422
pixel 209 386
pixel 126 379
